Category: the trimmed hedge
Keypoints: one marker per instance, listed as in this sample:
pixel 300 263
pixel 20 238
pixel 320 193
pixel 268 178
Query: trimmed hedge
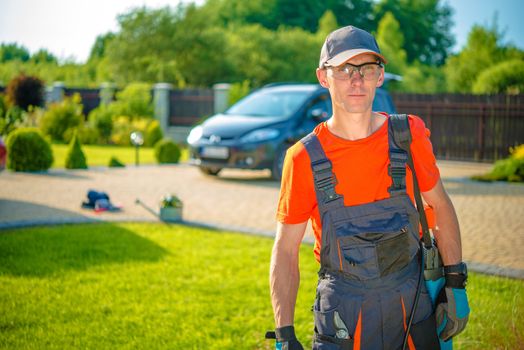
pixel 75 158
pixel 166 151
pixel 27 150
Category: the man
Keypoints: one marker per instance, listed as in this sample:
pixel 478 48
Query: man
pixel 366 230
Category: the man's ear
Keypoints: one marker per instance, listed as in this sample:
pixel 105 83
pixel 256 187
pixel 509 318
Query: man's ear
pixel 322 77
pixel 380 80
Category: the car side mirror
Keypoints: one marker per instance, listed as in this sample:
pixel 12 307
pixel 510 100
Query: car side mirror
pixel 317 114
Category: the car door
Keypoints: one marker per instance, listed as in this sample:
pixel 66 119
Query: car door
pixel 319 110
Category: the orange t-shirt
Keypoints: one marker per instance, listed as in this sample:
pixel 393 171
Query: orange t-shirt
pixel 361 169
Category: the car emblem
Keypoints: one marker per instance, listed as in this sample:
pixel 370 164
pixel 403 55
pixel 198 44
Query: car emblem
pixel 214 139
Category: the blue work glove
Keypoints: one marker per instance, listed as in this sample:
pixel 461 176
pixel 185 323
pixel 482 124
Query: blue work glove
pixel 286 339
pixel 452 307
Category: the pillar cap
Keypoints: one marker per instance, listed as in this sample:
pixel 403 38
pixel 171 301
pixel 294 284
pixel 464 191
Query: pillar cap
pixel 222 86
pixel 166 86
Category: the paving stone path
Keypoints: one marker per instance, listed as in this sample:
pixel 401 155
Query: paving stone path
pixel 491 215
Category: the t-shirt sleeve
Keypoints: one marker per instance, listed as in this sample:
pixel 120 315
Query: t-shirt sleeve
pixel 297 198
pixel 423 157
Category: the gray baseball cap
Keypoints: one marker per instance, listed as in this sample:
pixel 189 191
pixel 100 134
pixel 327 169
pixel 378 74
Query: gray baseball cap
pixel 346 43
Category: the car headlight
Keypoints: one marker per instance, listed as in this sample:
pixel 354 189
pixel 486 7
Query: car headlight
pixel 260 135
pixel 195 134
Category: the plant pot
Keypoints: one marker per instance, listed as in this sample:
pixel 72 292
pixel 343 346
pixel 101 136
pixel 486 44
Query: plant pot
pixel 171 214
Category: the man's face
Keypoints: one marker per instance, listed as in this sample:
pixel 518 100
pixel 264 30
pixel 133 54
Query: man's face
pixel 350 91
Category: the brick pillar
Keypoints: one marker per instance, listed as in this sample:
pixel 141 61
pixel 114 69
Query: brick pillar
pixel 161 100
pixel 107 93
pixel 55 93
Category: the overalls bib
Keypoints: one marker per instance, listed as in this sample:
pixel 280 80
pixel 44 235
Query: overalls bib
pixel 370 264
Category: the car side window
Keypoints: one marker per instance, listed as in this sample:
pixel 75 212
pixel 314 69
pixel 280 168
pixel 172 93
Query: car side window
pixel 320 109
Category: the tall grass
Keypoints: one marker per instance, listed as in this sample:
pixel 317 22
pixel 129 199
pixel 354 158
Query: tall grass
pixel 155 286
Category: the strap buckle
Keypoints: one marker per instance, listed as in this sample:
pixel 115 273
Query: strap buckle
pixel 325 180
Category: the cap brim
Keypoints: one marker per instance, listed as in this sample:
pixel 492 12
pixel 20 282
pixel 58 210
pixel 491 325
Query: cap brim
pixel 349 54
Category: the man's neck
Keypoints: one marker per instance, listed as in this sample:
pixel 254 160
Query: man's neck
pixel 355 126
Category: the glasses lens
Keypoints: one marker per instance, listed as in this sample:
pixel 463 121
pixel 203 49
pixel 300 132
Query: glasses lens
pixel 367 71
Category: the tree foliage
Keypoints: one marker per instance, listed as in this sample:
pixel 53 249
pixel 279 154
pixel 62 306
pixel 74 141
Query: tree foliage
pixel 25 91
pixel 13 52
pixel 262 41
pixel 426 25
pixel 484 48
pixel 391 41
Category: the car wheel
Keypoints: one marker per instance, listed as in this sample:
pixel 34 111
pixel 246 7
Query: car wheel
pixel 278 162
pixel 210 171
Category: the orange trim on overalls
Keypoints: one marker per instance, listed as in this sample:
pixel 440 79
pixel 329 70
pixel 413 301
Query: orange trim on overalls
pixel 358 332
pixel 411 345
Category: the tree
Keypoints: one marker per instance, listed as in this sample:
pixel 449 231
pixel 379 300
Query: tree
pixel 391 41
pixel 483 49
pixel 304 14
pixel 98 49
pixel 426 25
pixel 143 49
pixel 327 24
pixel 12 52
pixel 43 56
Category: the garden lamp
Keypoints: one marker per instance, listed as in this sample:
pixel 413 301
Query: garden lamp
pixel 137 139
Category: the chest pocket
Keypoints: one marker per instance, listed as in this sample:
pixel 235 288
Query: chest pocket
pixel 375 247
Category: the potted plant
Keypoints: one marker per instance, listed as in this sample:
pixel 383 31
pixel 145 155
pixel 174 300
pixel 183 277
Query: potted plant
pixel 171 208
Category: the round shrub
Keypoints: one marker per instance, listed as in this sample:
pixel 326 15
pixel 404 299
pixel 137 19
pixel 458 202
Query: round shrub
pixel 166 151
pixel 24 91
pixel 153 133
pixel 75 158
pixel 27 150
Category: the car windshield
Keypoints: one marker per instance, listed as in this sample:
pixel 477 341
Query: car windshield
pixel 269 104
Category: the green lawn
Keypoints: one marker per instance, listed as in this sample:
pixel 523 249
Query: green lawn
pixel 157 286
pixel 99 155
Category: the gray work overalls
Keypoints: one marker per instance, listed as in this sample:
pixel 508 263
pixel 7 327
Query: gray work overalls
pixel 370 264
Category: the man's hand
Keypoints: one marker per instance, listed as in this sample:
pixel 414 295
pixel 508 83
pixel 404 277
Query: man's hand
pixel 286 339
pixel 452 312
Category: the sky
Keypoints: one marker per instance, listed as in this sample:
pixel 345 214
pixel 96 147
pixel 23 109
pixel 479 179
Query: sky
pixel 68 28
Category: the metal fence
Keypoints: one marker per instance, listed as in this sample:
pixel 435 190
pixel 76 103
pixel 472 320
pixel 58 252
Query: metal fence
pixel 90 98
pixel 189 106
pixel 468 127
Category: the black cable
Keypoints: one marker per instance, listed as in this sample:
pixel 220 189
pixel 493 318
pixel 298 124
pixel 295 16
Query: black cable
pixel 417 294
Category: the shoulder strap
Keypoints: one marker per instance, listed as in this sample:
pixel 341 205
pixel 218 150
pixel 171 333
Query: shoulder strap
pixel 323 176
pixel 402 138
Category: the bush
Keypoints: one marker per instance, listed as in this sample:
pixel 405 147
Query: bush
pixel 123 127
pixel 101 118
pixel 24 91
pixel 3 106
pixel 153 133
pixel 12 118
pixel 504 77
pixel 166 151
pixel 510 169
pixel 134 101
pixel 27 150
pixel 88 135
pixel 75 158
pixel 115 163
pixel 62 116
